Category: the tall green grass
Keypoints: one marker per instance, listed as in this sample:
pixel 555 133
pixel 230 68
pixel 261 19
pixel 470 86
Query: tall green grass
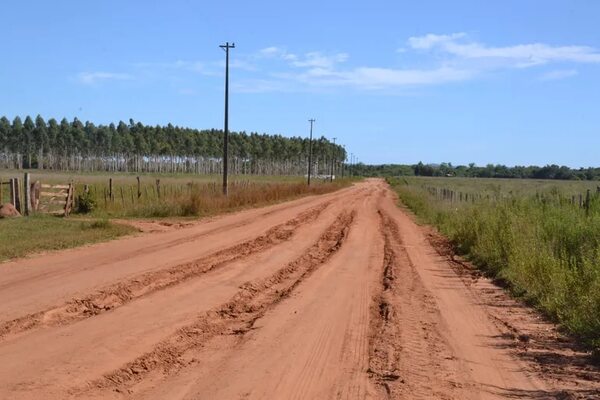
pixel 532 237
pixel 23 236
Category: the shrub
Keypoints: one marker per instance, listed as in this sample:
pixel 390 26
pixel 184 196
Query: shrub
pixel 85 203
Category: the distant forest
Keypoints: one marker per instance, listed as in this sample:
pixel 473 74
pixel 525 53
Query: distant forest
pixel 135 147
pixel 489 171
pixel 75 145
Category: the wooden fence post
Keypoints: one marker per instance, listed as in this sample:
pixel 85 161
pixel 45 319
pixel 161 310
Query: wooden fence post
pixel 17 192
pixel 36 188
pixel 11 191
pixel 587 202
pixel 139 189
pixel 158 188
pixel 110 189
pixel 26 194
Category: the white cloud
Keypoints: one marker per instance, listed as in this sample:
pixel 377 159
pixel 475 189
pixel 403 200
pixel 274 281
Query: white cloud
pixel 319 60
pixel 270 51
pixel 520 55
pixel 449 58
pixel 430 40
pixel 376 78
pixel 558 74
pixel 91 78
pixel 314 59
pixel 362 78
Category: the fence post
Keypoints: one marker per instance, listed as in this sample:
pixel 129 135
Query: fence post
pixel 587 202
pixel 158 188
pixel 110 189
pixel 26 194
pixel 139 189
pixel 17 192
pixel 11 190
pixel 36 188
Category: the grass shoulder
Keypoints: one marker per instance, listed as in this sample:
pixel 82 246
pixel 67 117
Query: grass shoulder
pixel 35 234
pixel 542 240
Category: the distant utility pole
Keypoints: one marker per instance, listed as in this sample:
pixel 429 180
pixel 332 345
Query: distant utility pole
pixel 351 165
pixel 344 160
pixel 226 47
pixel 332 161
pixel 312 120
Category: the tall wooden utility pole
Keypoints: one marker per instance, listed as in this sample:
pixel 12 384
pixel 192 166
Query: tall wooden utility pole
pixel 344 160
pixel 312 120
pixel 332 161
pixel 226 47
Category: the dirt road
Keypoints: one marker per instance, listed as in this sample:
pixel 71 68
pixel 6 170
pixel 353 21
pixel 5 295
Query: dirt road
pixel 333 296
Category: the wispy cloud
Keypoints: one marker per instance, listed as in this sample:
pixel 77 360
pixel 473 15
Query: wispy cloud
pixel 374 78
pixel 520 55
pixel 313 59
pixel 450 58
pixel 318 70
pixel 91 78
pixel 558 74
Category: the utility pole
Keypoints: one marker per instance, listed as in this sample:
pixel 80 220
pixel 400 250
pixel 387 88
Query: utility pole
pixel 332 161
pixel 312 120
pixel 226 47
pixel 344 161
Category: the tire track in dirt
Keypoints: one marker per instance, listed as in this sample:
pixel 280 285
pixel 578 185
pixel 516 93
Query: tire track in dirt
pixel 408 357
pixel 234 317
pixel 121 293
pixel 191 238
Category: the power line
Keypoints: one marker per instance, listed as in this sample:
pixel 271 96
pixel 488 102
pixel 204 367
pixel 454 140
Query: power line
pixel 226 47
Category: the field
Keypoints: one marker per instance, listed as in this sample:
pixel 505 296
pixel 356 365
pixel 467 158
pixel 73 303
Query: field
pixel 179 196
pixel 541 238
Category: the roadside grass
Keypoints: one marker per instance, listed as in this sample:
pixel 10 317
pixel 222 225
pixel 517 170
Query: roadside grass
pixel 206 199
pixel 171 195
pixel 23 236
pixel 176 196
pixel 530 235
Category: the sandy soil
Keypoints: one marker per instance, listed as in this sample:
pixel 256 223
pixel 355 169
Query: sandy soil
pixel 333 296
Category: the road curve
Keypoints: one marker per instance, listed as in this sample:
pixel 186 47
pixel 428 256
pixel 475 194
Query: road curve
pixel 339 296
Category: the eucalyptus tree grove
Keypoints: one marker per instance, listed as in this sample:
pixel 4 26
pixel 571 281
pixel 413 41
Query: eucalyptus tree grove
pixel 134 147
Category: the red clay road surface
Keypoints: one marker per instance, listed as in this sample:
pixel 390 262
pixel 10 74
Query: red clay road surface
pixel 340 296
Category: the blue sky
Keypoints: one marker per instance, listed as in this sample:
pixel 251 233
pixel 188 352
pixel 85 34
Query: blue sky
pixel 513 82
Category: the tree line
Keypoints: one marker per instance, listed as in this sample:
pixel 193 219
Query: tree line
pixel 552 171
pixel 133 146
